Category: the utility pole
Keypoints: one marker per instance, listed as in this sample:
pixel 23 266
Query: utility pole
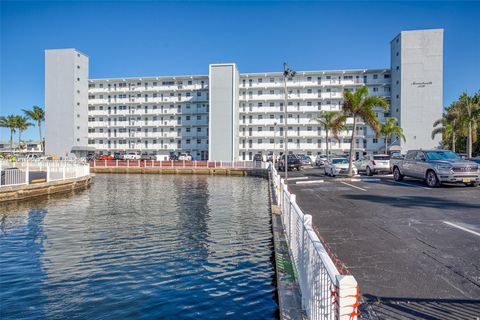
pixel 287 73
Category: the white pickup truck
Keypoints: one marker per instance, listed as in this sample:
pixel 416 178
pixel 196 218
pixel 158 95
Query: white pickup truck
pixel 374 164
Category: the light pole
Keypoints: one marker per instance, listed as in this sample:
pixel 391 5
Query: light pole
pixel 287 73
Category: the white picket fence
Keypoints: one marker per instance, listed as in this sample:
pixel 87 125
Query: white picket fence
pixel 27 172
pixel 326 294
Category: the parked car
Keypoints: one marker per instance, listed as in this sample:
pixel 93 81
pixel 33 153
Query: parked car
pixel 132 155
pixel 146 156
pixel 257 157
pixel 173 157
pixel 436 167
pixel 185 156
pixel 292 163
pixel 90 156
pixel 304 159
pixel 336 166
pixel 475 159
pixel 118 156
pixel 373 164
pixel 320 160
pixel 106 157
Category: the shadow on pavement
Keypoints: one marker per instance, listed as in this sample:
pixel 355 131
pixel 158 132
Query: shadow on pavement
pixel 405 308
pixel 413 201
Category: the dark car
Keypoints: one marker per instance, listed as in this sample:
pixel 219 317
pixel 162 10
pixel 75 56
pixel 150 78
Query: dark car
pixel 257 157
pixel 146 156
pixel 292 163
pixel 476 159
pixel 118 156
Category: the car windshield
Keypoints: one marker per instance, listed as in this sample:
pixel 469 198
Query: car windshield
pixel 381 157
pixel 441 155
pixel 339 161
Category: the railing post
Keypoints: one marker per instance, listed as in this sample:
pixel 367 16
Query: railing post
pixel 347 299
pixel 27 173
pixel 63 171
pixel 94 163
pixel 48 173
pixel 128 162
pixel 293 199
pixel 139 163
pixel 221 164
pixel 116 163
pixel 105 164
pixel 183 163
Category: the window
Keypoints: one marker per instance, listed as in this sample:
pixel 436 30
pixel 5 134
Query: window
pixel 375 140
pixel 199 141
pixel 199 94
pixel 260 141
pixel 272 79
pixel 375 76
pixel 386 76
pixel 260 80
pixel 309 78
pixel 272 104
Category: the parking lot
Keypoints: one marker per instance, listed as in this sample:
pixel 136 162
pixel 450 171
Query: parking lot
pixel 414 250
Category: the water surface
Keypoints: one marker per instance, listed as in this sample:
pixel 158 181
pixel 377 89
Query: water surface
pixel 141 247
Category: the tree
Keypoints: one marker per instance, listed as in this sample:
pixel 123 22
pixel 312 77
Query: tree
pixel 359 105
pixel 390 128
pixel 328 120
pixel 9 122
pixel 37 114
pixel 470 111
pixel 22 124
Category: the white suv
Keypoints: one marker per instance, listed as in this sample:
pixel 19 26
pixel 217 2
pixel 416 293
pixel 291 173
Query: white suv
pixel 132 156
pixel 185 156
pixel 374 164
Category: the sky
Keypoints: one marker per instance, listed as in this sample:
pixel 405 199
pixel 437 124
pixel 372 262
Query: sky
pixel 151 38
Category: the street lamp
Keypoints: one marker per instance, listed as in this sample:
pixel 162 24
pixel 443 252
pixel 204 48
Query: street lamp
pixel 287 73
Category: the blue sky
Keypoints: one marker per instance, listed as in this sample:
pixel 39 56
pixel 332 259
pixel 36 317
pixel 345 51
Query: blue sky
pixel 173 38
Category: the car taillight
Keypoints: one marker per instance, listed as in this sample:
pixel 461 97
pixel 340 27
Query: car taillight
pixel 374 163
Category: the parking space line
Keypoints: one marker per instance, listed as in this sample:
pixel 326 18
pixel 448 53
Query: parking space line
pixel 411 185
pixel 462 228
pixel 309 182
pixel 297 178
pixel 351 185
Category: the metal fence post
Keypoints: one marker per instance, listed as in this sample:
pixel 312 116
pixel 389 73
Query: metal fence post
pixel 293 199
pixel 27 174
pixel 48 173
pixel 63 172
pixel 347 300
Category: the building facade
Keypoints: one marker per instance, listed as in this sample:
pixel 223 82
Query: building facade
pixel 227 115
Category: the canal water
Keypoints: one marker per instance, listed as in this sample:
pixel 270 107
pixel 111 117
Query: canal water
pixel 141 247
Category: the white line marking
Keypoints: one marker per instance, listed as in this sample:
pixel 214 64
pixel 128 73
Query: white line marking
pixel 411 185
pixel 298 178
pixel 351 185
pixel 461 228
pixel 310 182
pixel 367 180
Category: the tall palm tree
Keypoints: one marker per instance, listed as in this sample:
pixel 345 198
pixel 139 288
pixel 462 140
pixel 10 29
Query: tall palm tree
pixel 10 123
pixel 359 105
pixel 390 128
pixel 22 124
pixel 37 114
pixel 447 129
pixel 470 110
pixel 328 120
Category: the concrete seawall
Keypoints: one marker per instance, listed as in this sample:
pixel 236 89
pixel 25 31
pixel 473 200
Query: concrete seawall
pixel 204 171
pixel 23 192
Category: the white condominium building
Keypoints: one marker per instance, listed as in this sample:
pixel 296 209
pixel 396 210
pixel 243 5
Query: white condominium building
pixel 227 115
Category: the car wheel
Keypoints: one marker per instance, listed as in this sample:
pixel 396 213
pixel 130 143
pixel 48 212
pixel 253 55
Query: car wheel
pixel 397 175
pixel 473 184
pixel 369 172
pixel 432 180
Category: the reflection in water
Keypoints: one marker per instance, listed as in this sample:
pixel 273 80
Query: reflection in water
pixel 142 246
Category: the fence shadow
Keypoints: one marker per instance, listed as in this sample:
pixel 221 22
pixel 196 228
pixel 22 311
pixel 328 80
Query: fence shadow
pixel 374 307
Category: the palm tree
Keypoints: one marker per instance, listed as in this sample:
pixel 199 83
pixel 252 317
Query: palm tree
pixel 470 110
pixel 10 123
pixel 390 128
pixel 359 105
pixel 328 120
pixel 22 124
pixel 447 129
pixel 37 114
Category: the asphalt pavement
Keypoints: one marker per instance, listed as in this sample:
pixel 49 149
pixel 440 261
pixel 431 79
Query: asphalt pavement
pixel 414 250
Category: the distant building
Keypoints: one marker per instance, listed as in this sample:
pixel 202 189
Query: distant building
pixel 228 115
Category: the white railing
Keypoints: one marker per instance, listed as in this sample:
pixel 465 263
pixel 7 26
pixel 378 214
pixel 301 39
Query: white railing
pixel 184 164
pixel 326 294
pixel 29 172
